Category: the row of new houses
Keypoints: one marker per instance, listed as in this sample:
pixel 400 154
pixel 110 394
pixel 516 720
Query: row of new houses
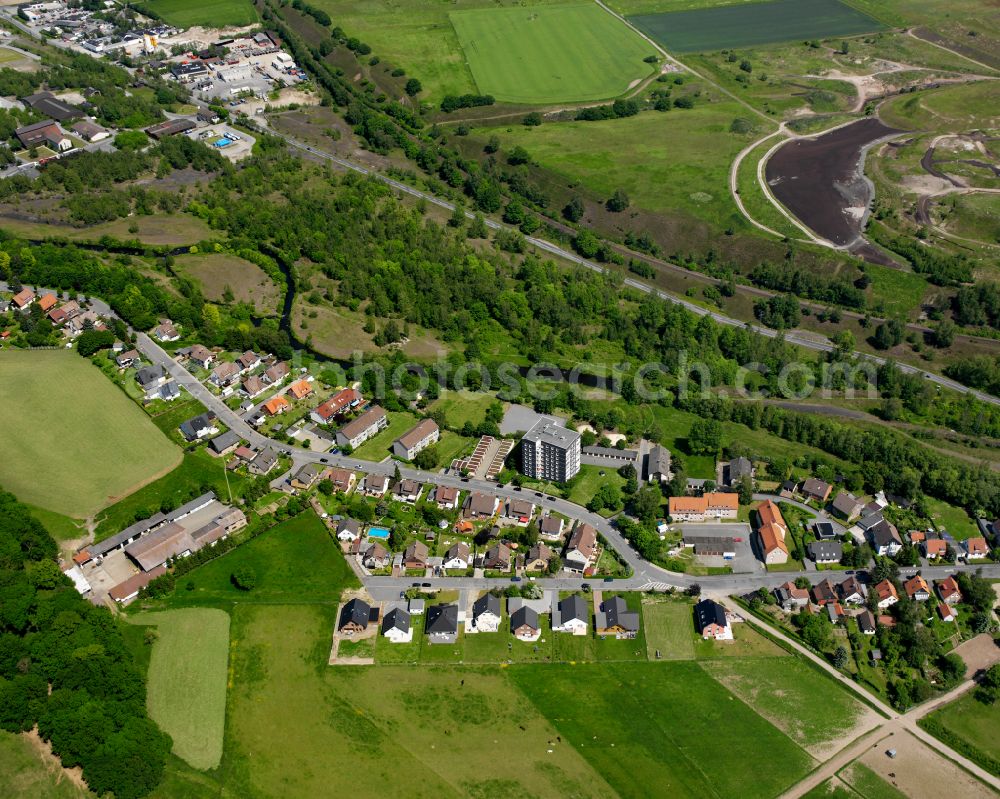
pixel 570 615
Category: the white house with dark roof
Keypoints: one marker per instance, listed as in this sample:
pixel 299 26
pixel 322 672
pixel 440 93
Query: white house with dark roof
pixel 396 626
pixel 571 616
pixel 486 614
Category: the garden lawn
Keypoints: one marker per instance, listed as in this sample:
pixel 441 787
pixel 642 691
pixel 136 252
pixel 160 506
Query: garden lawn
pixel 186 680
pixel 208 13
pixel 750 24
pixel 72 442
pixel 379 447
pixel 646 726
pixel 550 54
pixel 589 480
pixel 460 407
pixel 823 711
pixel 955 520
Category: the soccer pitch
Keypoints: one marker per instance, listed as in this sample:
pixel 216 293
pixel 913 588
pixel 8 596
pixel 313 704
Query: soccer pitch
pixel 552 54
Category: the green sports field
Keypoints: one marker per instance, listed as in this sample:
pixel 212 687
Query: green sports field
pixel 73 442
pixel 550 54
pixel 207 13
pixel 752 24
pixel 186 690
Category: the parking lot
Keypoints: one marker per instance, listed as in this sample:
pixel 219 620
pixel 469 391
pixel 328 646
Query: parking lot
pixel 230 143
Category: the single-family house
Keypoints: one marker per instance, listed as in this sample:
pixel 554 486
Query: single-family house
pixel 276 373
pixel 165 332
pixel 442 624
pixel 276 405
pixel 790 597
pixel 520 510
pixel 127 359
pixel 348 530
pixel 788 489
pixel 423 435
pixel 885 594
pixel 551 527
pixel 446 497
pixel 538 557
pixel 710 620
pixel 46 133
pixel 707 506
pixel 396 626
pixel 935 548
pixel 300 389
pixel 866 622
pixel 826 551
pixel 824 592
pixel 457 556
pixel 486 613
pixel 524 624
pixel 573 616
pixel 253 386
pixel 23 299
pixel 264 462
pixel 917 589
pixel 847 506
pixel 581 548
pixel 68 310
pixel 355 617
pixel 151 378
pixel 306 476
pixel 816 489
pixel 949 591
pixel 415 555
pixel 342 479
pixel 658 465
pixel 358 431
pixel 771 533
pixel 201 355
pixel 340 403
pixel 976 548
pixel 225 374
pixel 407 490
pixel 224 443
pixel 198 427
pixel 734 472
pixel 497 558
pixel 481 506
pixel 248 361
pixel 47 302
pixel 376 557
pixel 885 539
pixel 168 391
pixel 375 485
pixel 851 592
pixel 615 618
pixel 90 131
pixel 947 612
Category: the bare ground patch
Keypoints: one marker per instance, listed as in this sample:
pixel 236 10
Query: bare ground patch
pixel 218 272
pixel 52 763
pixel 920 772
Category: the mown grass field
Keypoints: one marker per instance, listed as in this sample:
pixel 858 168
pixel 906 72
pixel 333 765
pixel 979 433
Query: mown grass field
pixel 752 24
pixel 217 272
pixel 153 229
pixel 209 13
pixel 644 753
pixel 61 413
pixel 460 407
pixel 550 54
pixel 973 722
pixel 186 687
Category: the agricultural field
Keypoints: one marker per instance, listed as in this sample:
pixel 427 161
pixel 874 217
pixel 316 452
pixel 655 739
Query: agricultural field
pixel 186 688
pixel 61 412
pixel 227 278
pixel 752 24
pixel 552 54
pixel 973 722
pixel 209 14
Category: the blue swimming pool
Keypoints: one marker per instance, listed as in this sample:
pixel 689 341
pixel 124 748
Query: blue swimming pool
pixel 378 532
pixel 223 142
